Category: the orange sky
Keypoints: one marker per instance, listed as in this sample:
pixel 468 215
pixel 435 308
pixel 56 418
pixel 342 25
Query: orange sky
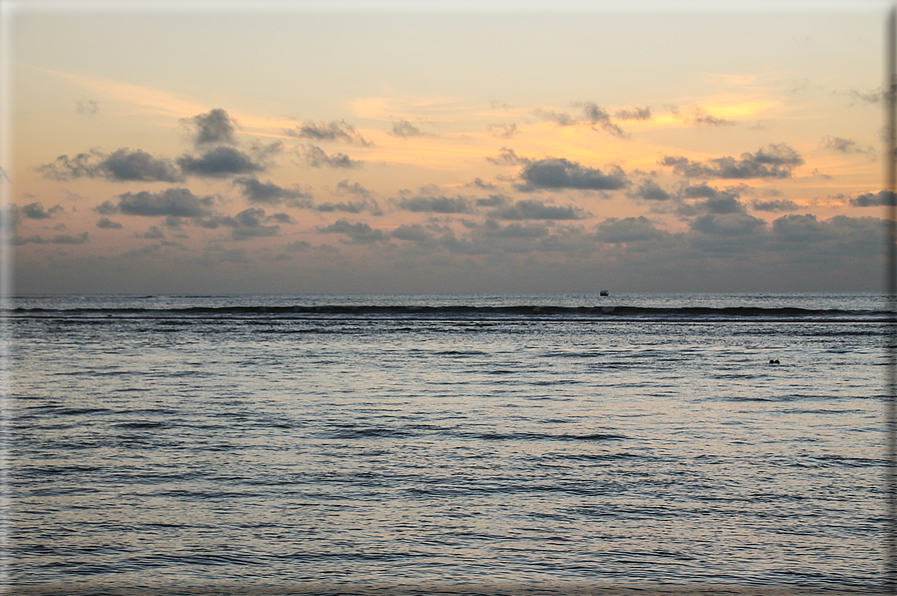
pixel 422 147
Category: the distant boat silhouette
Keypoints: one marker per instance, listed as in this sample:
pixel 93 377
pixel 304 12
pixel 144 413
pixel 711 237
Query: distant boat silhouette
pixel 603 293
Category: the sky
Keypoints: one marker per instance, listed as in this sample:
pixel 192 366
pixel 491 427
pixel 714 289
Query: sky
pixel 429 147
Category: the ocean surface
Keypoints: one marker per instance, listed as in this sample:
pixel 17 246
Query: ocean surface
pixel 352 444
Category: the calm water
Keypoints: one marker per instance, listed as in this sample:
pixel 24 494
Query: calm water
pixel 322 444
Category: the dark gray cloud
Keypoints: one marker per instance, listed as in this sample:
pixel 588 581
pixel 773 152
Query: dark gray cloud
pixel 531 209
pixel 214 127
pixel 495 230
pixel 507 157
pixel 775 161
pixel 123 165
pixel 219 162
pixel 493 201
pixel 651 191
pixel 317 158
pixel 436 204
pixel 715 201
pixel 108 224
pixel 414 233
pixel 869 199
pixel 322 131
pixel 801 228
pixel 635 113
pixel 344 206
pixel 478 182
pixel 153 233
pixel 249 223
pixel 357 233
pixel 629 229
pixel 559 173
pixel 727 224
pixel 36 211
pixel 353 189
pixel 284 218
pixel 107 207
pixel 836 237
pixel 175 202
pixel 858 235
pixel 57 239
pixel 405 129
pixel 267 193
pixel 775 205
pixel 139 166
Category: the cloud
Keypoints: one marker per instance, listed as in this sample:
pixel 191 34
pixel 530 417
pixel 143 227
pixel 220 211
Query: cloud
pixel 354 189
pixel 219 162
pixel 436 205
pixel 284 218
pixel 596 116
pixel 537 210
pixel 871 199
pixel 503 131
pixel 108 224
pixel 801 228
pixel 507 157
pixel 153 233
pixel 333 131
pixel 559 173
pixel 727 224
pixel 358 233
pixel 478 182
pixel 592 114
pixel 214 127
pixel 175 202
pixel 775 205
pixel 87 106
pixel 493 201
pixel 776 161
pixel 629 229
pixel 634 114
pixel 414 233
pixel 268 193
pixel 515 230
pixel 700 116
pixel 847 146
pixel 405 129
pixel 249 223
pixel 36 211
pixel 58 239
pixel 874 96
pixel 316 158
pixel 836 237
pixel 559 118
pixel 347 207
pixel 123 165
pixel 650 191
pixel 715 201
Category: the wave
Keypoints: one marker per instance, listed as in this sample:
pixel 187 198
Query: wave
pixel 469 312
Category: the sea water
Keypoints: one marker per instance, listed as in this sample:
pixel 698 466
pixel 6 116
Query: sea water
pixel 450 444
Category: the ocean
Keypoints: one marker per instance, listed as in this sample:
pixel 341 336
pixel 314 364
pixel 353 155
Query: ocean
pixel 355 444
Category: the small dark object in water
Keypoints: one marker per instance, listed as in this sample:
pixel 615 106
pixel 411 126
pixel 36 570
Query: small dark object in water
pixel 774 362
pixel 603 293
